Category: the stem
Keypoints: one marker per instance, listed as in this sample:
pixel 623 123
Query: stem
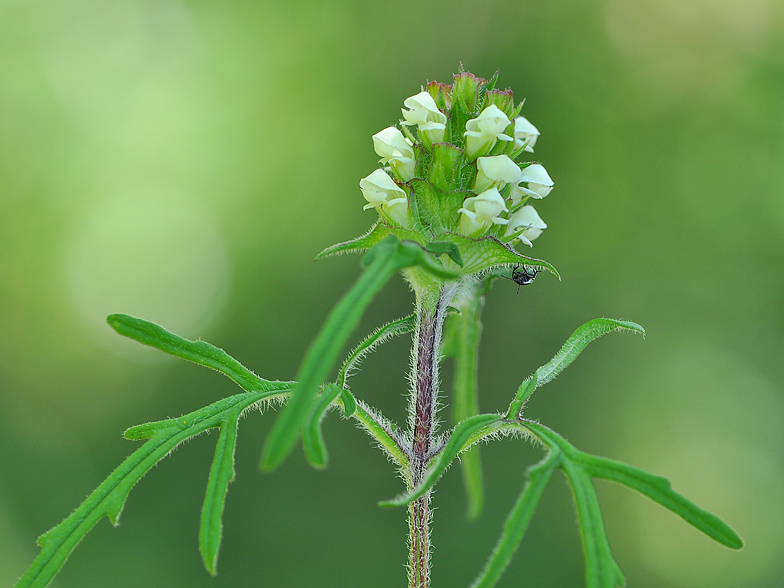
pixel 431 311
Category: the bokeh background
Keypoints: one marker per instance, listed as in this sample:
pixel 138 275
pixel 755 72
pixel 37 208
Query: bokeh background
pixel 184 161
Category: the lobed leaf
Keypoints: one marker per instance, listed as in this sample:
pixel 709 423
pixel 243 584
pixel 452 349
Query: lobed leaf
pixel 601 569
pixel 457 442
pixel 109 498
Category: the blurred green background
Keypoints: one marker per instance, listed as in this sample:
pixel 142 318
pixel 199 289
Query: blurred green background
pixel 184 161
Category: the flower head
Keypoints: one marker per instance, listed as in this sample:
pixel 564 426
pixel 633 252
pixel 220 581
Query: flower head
pixel 528 219
pixel 483 131
pixel 481 212
pixel 525 134
pixel 385 196
pixel 395 149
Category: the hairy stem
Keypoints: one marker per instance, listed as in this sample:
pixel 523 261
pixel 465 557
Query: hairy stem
pixel 431 310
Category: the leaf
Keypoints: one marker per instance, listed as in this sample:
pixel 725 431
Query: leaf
pixel 221 473
pixel 382 262
pixel 380 335
pixel 377 233
pixel 518 519
pixel 198 352
pixel 349 403
pixel 463 334
pixel 450 249
pixel 523 392
pixel 659 489
pixel 579 340
pixel 601 569
pixel 489 252
pixel 312 438
pixel 109 498
pixel 458 440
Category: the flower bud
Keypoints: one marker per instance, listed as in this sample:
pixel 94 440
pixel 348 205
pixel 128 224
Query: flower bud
pixel 483 131
pixel 385 196
pixel 497 171
pixel 525 134
pixel 481 212
pixel 503 99
pixel 442 95
pixel 395 149
pixel 529 219
pixel 466 90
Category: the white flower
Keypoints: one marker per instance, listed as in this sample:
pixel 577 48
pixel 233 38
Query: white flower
pixel 483 131
pixel 480 212
pixel 425 114
pixel 539 183
pixel 423 109
pixel 497 171
pixel 525 134
pixel 395 149
pixel 384 195
pixel 529 218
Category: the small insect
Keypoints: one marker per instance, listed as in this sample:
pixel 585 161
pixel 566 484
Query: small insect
pixel 522 277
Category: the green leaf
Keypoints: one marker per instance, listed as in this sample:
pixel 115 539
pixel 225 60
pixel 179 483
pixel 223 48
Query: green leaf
pixel 382 262
pixel 349 403
pixel 109 498
pixel 450 249
pixel 463 333
pixel 489 252
pixel 518 519
pixel 312 438
pixel 377 233
pixel 221 473
pixel 198 352
pixel 567 354
pixel 458 440
pixel 659 489
pixel 380 335
pixel 601 569
pixel 523 392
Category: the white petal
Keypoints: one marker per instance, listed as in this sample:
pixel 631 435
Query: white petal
pixel 499 168
pixel 526 217
pixel 422 109
pixel 523 126
pixel 537 174
pixel 388 141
